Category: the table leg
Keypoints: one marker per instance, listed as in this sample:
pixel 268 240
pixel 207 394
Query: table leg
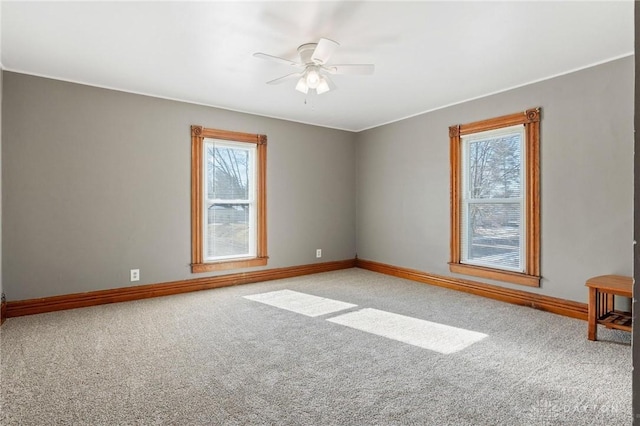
pixel 593 309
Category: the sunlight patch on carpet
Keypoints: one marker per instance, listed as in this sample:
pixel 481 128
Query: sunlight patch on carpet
pixel 305 304
pixel 425 334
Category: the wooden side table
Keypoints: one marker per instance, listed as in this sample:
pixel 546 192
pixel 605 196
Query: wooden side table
pixel 601 303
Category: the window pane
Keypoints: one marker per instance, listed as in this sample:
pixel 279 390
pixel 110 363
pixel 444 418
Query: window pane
pixel 494 234
pixel 228 172
pixel 494 167
pixel 228 230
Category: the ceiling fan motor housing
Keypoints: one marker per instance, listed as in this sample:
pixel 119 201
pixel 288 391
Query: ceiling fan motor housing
pixel 305 51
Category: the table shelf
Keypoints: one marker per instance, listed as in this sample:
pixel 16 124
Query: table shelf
pixel 616 319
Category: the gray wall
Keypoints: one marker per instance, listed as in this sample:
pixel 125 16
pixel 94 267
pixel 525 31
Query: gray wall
pixel 1 67
pixel 1 287
pixel 96 182
pixel 586 179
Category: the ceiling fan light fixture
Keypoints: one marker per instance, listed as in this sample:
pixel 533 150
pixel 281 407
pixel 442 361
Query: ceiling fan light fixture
pixel 314 71
pixel 323 86
pixel 313 78
pixel 302 86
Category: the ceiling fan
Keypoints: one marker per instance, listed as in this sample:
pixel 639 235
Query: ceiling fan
pixel 313 67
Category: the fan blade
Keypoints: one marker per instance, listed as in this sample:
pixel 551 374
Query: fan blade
pixel 277 59
pixel 293 76
pixel 324 50
pixel 353 69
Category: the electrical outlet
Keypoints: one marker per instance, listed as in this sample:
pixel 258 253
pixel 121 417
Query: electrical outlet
pixel 318 253
pixel 135 275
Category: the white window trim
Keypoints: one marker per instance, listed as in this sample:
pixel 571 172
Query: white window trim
pixel 250 201
pixel 466 197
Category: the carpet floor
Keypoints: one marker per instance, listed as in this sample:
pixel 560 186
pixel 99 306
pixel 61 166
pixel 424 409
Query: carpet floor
pixel 244 355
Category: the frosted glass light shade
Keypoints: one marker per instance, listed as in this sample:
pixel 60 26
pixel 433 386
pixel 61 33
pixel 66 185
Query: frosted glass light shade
pixel 323 86
pixel 302 86
pixel 313 78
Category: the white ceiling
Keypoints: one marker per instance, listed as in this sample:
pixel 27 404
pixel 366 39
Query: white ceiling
pixel 427 54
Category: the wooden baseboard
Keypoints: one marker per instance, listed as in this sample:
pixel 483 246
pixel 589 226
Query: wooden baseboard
pixel 125 294
pixel 546 303
pixel 3 309
pixel 79 300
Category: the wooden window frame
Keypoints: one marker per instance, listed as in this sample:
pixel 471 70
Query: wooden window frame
pixel 198 134
pixel 531 121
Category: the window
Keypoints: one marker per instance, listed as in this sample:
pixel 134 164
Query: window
pixel 228 199
pixel 495 201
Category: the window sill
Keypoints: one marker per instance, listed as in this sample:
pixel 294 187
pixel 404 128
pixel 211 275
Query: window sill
pixel 495 274
pixel 228 264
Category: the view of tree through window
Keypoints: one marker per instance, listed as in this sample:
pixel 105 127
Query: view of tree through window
pixel 492 200
pixel 495 166
pixel 229 176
